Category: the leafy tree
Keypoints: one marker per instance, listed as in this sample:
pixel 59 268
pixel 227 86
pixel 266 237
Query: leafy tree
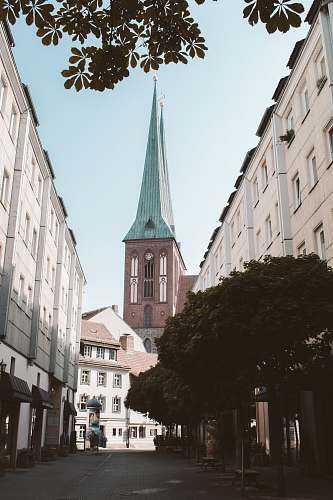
pixel 164 396
pixel 117 35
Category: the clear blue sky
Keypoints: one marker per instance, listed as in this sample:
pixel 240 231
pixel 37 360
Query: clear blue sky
pixel 97 141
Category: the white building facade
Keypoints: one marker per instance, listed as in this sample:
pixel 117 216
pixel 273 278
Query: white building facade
pixel 41 280
pixel 283 198
pixel 105 368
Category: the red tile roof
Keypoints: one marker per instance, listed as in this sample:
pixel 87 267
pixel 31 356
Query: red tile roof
pixel 97 332
pixel 137 361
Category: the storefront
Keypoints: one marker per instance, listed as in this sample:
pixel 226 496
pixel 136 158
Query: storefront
pixel 13 392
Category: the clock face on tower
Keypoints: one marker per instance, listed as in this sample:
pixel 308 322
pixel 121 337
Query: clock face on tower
pixel 148 256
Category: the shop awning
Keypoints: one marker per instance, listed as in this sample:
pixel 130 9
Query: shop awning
pixel 41 398
pixel 14 388
pixel 70 408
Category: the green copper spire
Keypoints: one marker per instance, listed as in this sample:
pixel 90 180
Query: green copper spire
pixel 154 218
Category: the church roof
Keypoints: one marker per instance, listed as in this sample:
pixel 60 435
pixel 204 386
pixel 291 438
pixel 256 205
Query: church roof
pixel 154 218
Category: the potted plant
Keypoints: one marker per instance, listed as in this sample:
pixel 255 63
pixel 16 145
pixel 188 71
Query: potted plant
pixel 288 136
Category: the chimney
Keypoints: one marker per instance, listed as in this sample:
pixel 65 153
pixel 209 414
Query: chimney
pixel 115 308
pixel 127 342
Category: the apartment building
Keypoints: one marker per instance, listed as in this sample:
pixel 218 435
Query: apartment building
pixel 41 280
pixel 283 198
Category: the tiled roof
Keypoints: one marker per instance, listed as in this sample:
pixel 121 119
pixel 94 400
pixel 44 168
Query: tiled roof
pixel 97 332
pixel 137 361
pixel 154 218
pixel 90 314
pixel 186 284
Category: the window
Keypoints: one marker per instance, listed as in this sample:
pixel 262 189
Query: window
pixel 255 191
pixel 120 432
pixel 116 404
pixel 147 344
pixel 50 322
pixel 312 170
pixel 101 378
pixel 305 101
pixel 142 432
pixel 44 316
pixel 56 232
pixel 5 188
pixel 297 191
pixel 3 93
pixel 163 277
pixel 148 289
pixel 113 354
pixel 264 175
pixel 102 401
pixel 269 234
pixel 21 288
pixel 100 352
pixel 30 298
pixel 147 316
pixel 27 229
pixel 87 350
pixel 320 242
pixel 290 121
pixel 114 432
pixel 153 432
pixel 134 432
pixel 48 269
pixel 34 243
pixel 301 249
pixel 82 431
pixel 83 402
pixel 39 189
pixel 85 377
pixel 117 380
pixel 33 171
pixel 13 122
pixel 12 366
pixel 258 244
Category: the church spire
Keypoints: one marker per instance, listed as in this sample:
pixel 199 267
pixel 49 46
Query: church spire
pixel 154 218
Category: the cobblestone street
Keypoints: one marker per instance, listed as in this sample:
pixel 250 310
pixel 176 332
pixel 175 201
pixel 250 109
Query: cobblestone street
pixel 114 475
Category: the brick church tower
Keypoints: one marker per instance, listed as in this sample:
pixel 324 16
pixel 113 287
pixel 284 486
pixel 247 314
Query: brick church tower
pixel 154 267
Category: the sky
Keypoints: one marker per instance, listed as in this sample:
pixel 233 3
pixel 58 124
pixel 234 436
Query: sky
pixel 97 141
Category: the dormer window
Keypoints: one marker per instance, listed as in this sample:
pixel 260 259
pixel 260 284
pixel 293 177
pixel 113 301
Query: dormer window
pixel 100 352
pixel 113 354
pixel 87 351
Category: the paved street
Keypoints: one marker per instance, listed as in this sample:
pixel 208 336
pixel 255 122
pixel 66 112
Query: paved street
pixel 120 474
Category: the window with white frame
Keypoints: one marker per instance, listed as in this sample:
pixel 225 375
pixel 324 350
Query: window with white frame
pixel 297 191
pixel 5 188
pixel 85 377
pixel 312 170
pixel 320 70
pixel 301 249
pixel 113 354
pixel 83 402
pixel 142 432
pixel 116 404
pixel 3 93
pixel 27 229
pixel 82 431
pixel 290 121
pixel 264 175
pixel 134 432
pixel 39 189
pixel 102 401
pixel 100 352
pixel 21 288
pixel 163 277
pixel 255 191
pixel 134 279
pixel 269 233
pixel 87 350
pixel 101 378
pixel 320 242
pixel 13 122
pixel 305 101
pixel 117 380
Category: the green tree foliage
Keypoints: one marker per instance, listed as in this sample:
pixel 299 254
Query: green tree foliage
pixel 271 325
pixel 164 396
pixel 114 36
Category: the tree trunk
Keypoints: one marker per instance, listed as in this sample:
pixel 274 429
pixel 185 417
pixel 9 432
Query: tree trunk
pixel 277 441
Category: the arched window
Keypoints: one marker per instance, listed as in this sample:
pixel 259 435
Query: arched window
pixel 148 284
pixel 134 279
pixel 163 277
pixel 147 344
pixel 147 316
